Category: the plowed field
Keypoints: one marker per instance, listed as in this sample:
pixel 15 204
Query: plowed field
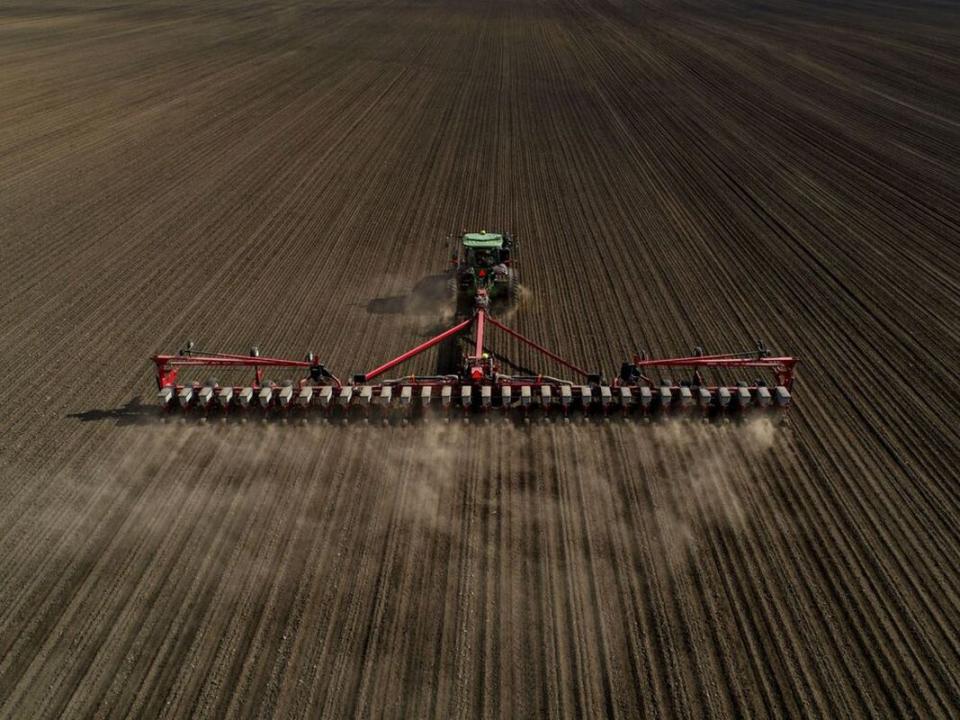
pixel 285 174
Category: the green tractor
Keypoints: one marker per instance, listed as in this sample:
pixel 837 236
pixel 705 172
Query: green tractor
pixel 484 269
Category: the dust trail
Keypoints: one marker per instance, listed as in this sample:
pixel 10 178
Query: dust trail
pixel 694 477
pixel 526 300
pixel 143 464
pixel 419 463
pixel 696 474
pixel 429 298
pixel 428 462
pixel 707 469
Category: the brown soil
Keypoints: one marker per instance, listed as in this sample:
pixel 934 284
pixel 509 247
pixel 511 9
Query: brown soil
pixel 285 174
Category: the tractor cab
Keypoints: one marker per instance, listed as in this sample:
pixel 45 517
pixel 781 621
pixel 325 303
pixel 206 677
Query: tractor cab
pixel 485 250
pixel 483 263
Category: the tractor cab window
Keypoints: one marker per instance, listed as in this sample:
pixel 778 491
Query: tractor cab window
pixel 482 257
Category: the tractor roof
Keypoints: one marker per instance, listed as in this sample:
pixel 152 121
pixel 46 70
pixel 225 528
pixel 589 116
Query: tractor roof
pixel 483 240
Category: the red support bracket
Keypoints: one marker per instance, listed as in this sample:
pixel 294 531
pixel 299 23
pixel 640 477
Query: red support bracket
pixel 539 348
pixel 168 365
pixel 415 351
pixel 782 367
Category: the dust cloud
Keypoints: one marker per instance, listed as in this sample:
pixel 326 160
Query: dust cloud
pixel 686 480
pixel 429 298
pixel 710 471
pixel 427 462
pixel 691 479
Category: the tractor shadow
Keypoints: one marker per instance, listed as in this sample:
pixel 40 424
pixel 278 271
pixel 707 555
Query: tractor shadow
pixel 430 295
pixel 134 412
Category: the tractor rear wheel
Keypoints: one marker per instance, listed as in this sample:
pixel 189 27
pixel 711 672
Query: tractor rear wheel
pixel 513 291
